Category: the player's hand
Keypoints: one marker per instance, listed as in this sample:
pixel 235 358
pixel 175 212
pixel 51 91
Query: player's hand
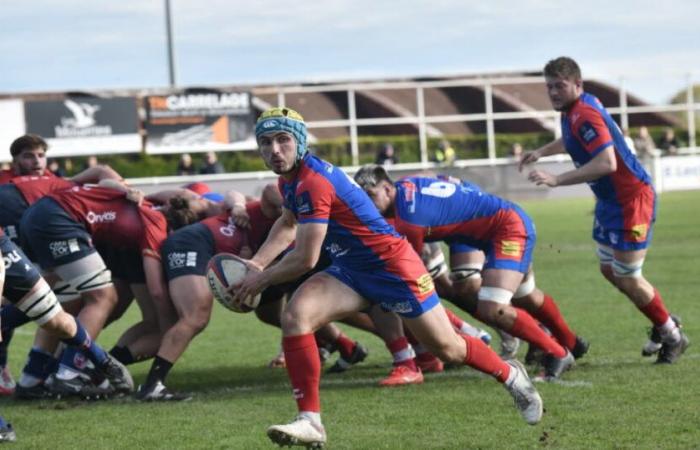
pixel 240 216
pixel 135 195
pixel 253 284
pixel 528 158
pixel 540 177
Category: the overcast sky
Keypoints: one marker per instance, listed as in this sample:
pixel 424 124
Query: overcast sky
pixel 92 44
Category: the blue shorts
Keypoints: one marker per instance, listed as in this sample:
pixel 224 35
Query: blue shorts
pixel 187 251
pixel 20 273
pixel 125 264
pixel 461 247
pixel 51 237
pixel 386 289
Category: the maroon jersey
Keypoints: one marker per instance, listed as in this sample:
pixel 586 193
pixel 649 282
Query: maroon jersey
pixel 113 220
pixel 33 187
pixel 227 237
pixel 8 174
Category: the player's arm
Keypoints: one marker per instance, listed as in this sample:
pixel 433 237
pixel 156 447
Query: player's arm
pixel 281 236
pixel 553 148
pixel 604 163
pixel 96 174
pixel 301 259
pixel 234 202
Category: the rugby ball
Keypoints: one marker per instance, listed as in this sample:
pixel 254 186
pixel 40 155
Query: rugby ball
pixel 224 270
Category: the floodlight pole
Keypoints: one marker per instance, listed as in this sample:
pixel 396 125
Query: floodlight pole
pixel 169 42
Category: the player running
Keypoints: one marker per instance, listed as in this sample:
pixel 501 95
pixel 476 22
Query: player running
pixel 372 264
pixel 465 217
pixel 625 199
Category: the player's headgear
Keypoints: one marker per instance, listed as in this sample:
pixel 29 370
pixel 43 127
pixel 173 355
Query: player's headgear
pixel 275 120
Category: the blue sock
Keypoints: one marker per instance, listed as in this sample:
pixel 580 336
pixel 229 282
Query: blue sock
pixel 82 343
pixel 40 364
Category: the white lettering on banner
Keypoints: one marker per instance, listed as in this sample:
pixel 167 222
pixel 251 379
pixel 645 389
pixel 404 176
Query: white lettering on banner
pixel 107 216
pixel 238 100
pixel 680 172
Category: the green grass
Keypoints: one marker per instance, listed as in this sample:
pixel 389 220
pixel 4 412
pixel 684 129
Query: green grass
pixel 613 399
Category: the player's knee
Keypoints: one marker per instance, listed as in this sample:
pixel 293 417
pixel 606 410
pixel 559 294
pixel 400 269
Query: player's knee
pixel 62 325
pixel 40 304
pixel 493 304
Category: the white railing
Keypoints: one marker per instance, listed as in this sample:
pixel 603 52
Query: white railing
pixel 489 116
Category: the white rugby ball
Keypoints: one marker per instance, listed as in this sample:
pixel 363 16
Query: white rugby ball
pixel 224 270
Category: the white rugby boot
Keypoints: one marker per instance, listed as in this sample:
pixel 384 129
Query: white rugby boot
pixel 302 431
pixel 527 399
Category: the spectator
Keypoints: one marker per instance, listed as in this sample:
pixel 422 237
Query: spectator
pixel 669 143
pixel 211 165
pixel 91 161
pixel 387 156
pixel 55 168
pixel 185 166
pixel 644 144
pixel 445 153
pixel 516 150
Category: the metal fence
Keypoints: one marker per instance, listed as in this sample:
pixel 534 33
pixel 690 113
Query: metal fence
pixel 423 121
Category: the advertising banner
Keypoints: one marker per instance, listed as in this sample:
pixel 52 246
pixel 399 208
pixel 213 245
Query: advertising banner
pixel 12 120
pixel 199 122
pixel 680 172
pixel 85 126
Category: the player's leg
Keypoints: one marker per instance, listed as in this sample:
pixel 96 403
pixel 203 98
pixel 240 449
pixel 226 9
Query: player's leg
pixel 543 308
pixel 140 341
pixel 193 302
pixel 627 270
pixel 308 310
pixel 33 297
pixel 432 328
pixel 495 308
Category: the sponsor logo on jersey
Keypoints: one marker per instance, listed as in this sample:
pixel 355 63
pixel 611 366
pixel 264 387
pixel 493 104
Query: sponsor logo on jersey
pixel 510 248
pixel 303 202
pixel 176 260
pixel 63 248
pixel 107 216
pixel 425 284
pixel 336 250
pixel 614 238
pixel 191 259
pixel 398 307
pixel 587 132
pixel 639 232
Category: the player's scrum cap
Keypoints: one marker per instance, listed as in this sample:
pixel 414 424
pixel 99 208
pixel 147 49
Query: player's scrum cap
pixel 275 120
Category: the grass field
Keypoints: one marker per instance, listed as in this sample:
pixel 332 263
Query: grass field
pixel 613 399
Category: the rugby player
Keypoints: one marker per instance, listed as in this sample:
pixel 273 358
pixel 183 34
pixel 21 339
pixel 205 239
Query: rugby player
pixel 32 298
pixel 28 158
pixel 371 263
pixel 625 199
pixel 60 230
pixel 461 214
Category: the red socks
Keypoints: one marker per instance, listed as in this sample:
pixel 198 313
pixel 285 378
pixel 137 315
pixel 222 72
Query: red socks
pixel 304 369
pixel 402 353
pixel 345 345
pixel 526 328
pixel 455 320
pixel 550 317
pixel 482 358
pixel 655 310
